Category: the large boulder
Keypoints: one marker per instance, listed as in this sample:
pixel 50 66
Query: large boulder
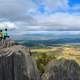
pixel 62 70
pixel 17 64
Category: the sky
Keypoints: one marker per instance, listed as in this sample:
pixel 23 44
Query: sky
pixel 22 16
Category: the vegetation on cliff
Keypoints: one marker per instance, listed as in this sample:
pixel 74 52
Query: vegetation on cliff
pixel 44 55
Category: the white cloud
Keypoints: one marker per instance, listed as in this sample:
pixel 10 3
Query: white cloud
pixel 59 21
pixel 53 3
pixel 56 3
pixel 7 25
pixel 17 12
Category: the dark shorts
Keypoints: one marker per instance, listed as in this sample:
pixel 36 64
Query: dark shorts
pixel 1 38
pixel 6 37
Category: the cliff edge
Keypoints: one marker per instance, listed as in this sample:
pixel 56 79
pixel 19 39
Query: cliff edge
pixel 17 64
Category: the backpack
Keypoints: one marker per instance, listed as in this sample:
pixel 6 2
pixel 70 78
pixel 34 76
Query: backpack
pixel 1 34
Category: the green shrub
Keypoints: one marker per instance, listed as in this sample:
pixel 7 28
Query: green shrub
pixel 42 61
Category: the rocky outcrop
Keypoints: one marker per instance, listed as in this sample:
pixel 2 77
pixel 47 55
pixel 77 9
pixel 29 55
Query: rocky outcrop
pixel 17 64
pixel 62 70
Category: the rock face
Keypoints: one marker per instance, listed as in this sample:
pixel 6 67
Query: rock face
pixel 62 70
pixel 17 64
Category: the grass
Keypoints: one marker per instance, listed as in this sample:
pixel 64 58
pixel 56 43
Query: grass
pixel 42 60
pixel 40 50
pixel 45 50
pixel 44 55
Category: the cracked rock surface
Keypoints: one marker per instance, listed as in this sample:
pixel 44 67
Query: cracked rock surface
pixel 62 70
pixel 17 64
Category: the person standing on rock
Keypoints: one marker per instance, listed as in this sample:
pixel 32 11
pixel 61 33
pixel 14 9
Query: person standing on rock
pixel 1 37
pixel 6 37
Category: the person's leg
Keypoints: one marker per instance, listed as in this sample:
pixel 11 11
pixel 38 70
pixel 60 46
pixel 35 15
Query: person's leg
pixel 7 43
pixel 0 41
pixel 4 42
pixel 10 44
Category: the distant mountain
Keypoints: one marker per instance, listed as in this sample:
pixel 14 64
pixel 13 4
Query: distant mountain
pixel 47 39
pixel 66 40
pixel 47 43
pixel 45 36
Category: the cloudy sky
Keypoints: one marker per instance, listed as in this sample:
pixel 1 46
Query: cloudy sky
pixel 40 15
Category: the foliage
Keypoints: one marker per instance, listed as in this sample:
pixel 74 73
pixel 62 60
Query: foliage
pixel 42 60
pixel 43 56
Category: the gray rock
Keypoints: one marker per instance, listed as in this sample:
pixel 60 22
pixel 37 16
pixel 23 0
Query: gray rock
pixel 17 64
pixel 62 70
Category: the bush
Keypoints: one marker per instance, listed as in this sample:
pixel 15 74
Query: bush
pixel 42 61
